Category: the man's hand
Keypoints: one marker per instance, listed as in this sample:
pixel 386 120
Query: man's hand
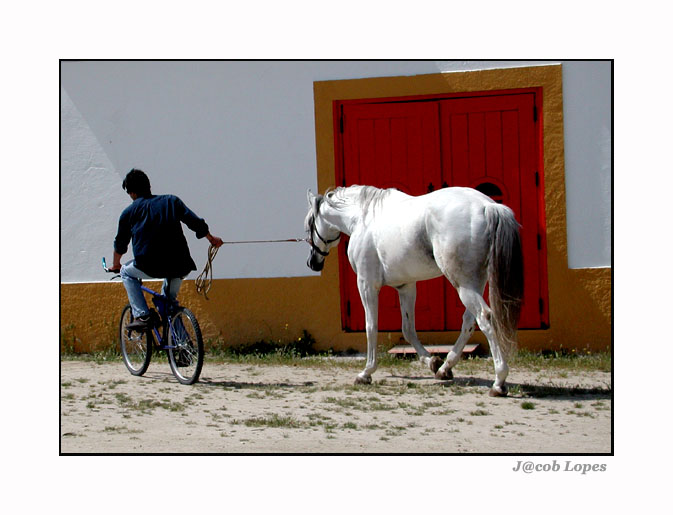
pixel 214 240
pixel 116 262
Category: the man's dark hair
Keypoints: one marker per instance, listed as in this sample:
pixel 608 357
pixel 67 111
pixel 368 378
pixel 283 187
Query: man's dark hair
pixel 137 182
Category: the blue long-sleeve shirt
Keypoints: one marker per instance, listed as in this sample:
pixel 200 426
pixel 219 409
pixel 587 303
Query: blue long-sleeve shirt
pixel 154 225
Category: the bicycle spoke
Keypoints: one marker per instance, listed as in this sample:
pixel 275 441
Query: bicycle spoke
pixel 185 347
pixel 136 347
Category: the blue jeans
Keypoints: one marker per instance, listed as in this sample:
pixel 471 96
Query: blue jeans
pixel 132 279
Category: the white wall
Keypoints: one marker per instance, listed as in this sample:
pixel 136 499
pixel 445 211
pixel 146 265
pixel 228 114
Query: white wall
pixel 236 141
pixel 587 119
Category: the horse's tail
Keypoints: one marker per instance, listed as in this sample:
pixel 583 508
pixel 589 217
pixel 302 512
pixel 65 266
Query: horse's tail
pixel 505 274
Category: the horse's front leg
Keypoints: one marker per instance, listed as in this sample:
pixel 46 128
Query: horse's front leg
pixel 369 294
pixel 407 294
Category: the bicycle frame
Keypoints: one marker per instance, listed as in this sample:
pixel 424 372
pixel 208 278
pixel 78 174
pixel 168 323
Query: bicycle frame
pixel 164 308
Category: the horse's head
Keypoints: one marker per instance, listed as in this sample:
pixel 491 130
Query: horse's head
pixel 322 235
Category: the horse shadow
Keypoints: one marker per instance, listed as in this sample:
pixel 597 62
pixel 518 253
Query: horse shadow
pixel 516 390
pixel 521 390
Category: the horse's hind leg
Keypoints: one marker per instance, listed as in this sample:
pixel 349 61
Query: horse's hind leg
pixel 407 295
pixel 453 357
pixel 476 304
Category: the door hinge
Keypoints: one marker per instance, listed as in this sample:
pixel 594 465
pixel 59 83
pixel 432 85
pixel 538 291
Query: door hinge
pixel 539 242
pixel 537 178
pixel 541 304
pixel 535 113
pixel 341 119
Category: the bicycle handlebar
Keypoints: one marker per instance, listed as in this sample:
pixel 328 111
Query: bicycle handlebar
pixel 110 270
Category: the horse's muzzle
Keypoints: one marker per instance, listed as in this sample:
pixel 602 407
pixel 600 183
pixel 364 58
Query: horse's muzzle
pixel 315 262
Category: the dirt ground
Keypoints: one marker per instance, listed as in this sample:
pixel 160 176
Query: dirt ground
pixel 240 408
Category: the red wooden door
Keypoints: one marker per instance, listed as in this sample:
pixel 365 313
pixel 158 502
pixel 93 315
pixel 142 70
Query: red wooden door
pixel 488 142
pixel 391 145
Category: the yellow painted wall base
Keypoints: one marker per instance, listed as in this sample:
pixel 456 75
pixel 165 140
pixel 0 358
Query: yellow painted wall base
pixel 247 310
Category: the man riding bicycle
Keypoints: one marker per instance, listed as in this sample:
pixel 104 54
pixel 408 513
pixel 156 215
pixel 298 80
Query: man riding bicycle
pixel 160 250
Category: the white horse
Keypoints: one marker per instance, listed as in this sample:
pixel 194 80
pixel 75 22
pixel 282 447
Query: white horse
pixel 397 240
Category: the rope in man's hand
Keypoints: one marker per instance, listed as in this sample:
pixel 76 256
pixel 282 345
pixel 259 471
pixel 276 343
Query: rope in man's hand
pixel 205 279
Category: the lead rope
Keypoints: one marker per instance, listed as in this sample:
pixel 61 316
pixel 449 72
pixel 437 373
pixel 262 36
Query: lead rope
pixel 205 279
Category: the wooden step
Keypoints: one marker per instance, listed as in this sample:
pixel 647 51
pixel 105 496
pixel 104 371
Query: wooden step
pixel 470 349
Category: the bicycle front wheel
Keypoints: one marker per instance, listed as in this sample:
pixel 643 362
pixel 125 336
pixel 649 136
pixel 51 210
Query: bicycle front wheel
pixel 185 347
pixel 136 346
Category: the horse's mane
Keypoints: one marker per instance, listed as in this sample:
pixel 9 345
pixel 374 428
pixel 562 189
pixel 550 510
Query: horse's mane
pixel 367 198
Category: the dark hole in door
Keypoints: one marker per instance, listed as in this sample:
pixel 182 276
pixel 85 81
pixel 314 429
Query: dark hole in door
pixel 491 190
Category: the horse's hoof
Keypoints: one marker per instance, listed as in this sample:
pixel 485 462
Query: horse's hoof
pixel 363 380
pixel 445 375
pixel 435 364
pixel 498 392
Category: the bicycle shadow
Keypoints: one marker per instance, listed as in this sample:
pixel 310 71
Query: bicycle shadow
pixel 248 385
pixel 168 377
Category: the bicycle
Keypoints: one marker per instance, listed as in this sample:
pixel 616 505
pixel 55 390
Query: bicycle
pixel 173 329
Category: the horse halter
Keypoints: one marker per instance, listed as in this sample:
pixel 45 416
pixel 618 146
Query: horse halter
pixel 314 229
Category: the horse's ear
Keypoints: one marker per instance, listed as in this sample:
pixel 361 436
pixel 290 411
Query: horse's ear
pixel 313 200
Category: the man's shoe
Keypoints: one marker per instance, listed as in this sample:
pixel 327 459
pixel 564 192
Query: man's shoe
pixel 139 324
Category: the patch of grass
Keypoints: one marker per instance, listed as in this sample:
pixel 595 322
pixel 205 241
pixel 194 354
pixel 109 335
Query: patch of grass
pixel 396 431
pixel 147 405
pixel 563 359
pixel 581 413
pixel 343 403
pixel 515 390
pixel 273 420
pixel 599 405
pixel 113 383
pixel 527 405
pixel 121 430
pixel 265 349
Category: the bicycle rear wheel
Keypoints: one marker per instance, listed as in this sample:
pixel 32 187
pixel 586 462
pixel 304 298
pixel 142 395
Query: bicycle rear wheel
pixel 136 346
pixel 185 347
